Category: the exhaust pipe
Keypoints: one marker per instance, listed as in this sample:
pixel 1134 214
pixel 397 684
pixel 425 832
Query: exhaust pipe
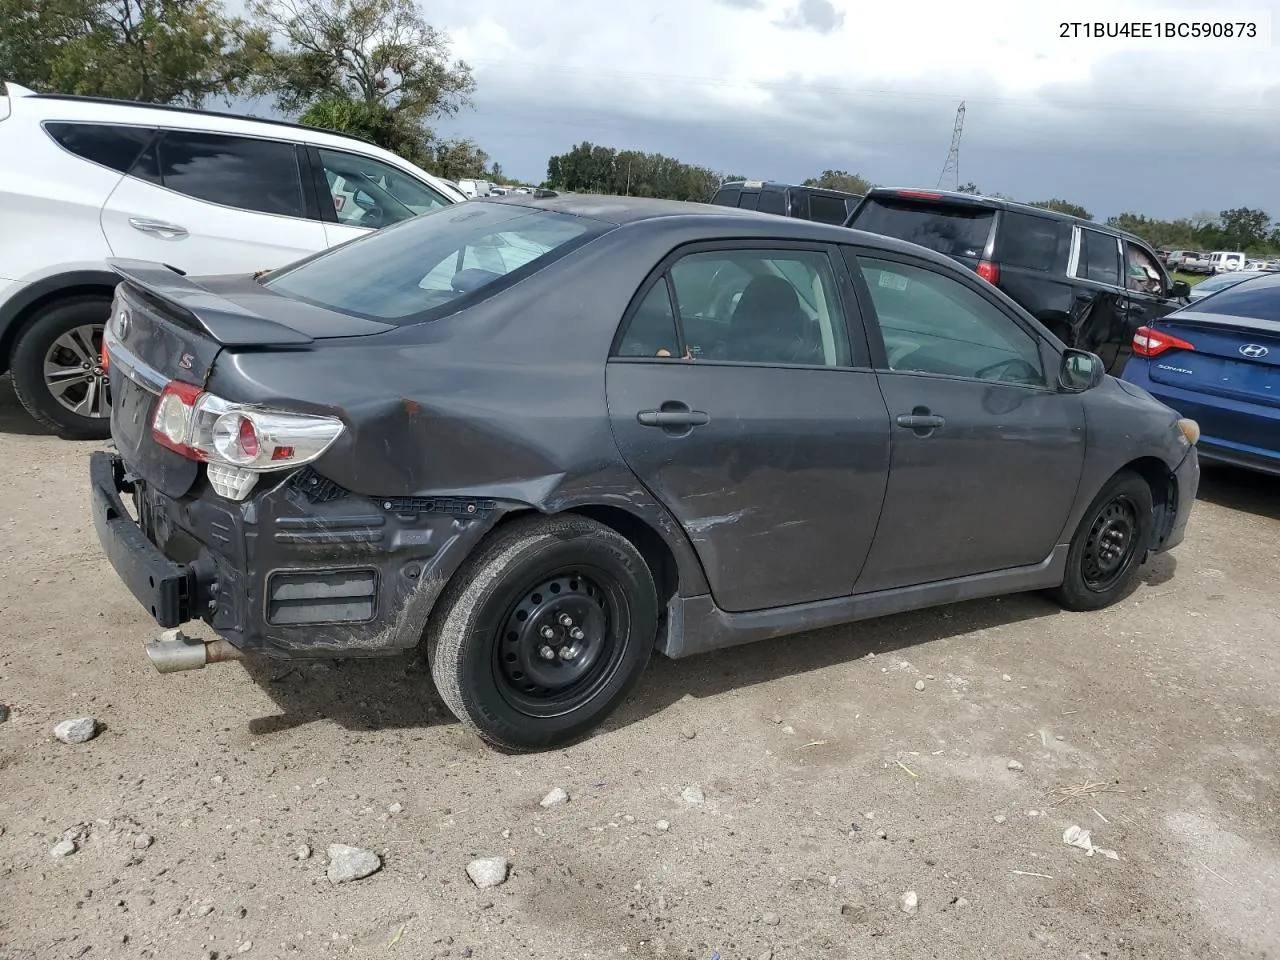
pixel 174 653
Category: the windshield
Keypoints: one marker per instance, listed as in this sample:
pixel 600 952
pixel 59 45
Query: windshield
pixel 957 231
pixel 415 270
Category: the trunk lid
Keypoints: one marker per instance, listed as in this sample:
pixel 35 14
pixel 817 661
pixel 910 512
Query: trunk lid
pixel 1234 357
pixel 166 327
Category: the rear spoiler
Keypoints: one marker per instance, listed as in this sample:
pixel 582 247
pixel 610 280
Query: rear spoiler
pixel 228 323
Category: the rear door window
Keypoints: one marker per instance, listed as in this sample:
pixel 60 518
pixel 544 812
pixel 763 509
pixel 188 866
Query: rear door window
pixel 112 146
pixel 1032 242
pixel 260 176
pixel 957 231
pixel 1099 258
pixel 749 200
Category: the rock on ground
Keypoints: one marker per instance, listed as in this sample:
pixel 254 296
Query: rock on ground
pixel 1015 765
pixel 909 902
pixel 77 730
pixel 351 863
pixel 555 798
pixel 488 872
pixel 692 794
pixel 303 852
pixel 63 848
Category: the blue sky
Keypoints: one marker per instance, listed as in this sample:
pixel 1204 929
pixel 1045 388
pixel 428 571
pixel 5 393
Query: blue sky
pixel 782 89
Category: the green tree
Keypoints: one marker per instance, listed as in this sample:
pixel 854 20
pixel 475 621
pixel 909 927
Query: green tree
pixel 1244 228
pixel 457 159
pixel 155 51
pixel 369 121
pixel 379 52
pixel 969 187
pixel 591 168
pixel 1064 206
pixel 840 180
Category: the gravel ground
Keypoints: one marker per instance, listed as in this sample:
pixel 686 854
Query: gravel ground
pixel 830 786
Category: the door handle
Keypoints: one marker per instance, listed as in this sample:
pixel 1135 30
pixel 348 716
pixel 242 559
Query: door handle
pixel 672 418
pixel 168 231
pixel 921 421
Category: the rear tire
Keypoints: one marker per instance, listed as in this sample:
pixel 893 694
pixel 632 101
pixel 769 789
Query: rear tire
pixel 1109 546
pixel 564 585
pixel 65 337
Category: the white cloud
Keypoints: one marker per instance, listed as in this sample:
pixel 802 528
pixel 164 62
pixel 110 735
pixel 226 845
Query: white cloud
pixel 870 84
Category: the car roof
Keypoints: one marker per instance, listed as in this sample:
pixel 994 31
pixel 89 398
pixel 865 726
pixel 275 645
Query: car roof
pixel 729 221
pixel 762 184
pixel 997 203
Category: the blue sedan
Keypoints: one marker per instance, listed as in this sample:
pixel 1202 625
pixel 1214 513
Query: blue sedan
pixel 1217 361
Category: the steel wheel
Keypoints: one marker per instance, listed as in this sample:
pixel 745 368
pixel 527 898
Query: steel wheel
pixel 558 646
pixel 1111 545
pixel 74 375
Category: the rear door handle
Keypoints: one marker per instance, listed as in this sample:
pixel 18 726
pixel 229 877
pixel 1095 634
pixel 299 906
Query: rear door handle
pixel 672 418
pixel 169 231
pixel 920 421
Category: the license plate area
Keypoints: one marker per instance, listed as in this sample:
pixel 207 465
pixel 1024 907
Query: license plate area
pixel 132 407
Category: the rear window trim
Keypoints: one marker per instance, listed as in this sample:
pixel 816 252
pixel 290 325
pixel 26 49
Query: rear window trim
pixel 595 230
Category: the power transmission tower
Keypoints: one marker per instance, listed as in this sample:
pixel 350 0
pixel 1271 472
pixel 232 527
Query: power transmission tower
pixel 950 176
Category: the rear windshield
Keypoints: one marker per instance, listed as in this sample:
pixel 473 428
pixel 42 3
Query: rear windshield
pixel 1257 299
pixel 955 231
pixel 415 270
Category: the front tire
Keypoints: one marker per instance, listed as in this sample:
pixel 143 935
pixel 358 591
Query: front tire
pixel 542 634
pixel 1109 545
pixel 57 372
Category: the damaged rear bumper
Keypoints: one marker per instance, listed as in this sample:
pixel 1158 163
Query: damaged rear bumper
pixel 302 569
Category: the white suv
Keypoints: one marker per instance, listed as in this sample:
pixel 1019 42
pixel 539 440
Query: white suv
pixel 83 179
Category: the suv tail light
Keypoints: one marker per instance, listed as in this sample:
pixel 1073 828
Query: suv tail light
pixel 1152 343
pixel 989 271
pixel 238 441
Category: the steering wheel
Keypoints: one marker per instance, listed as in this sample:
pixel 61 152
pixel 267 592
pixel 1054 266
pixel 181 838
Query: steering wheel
pixel 1033 373
pixel 372 217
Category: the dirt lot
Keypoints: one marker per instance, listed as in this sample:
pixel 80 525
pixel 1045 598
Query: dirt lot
pixel 831 784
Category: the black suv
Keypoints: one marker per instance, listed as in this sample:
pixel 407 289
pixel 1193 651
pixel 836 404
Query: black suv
pixel 788 200
pixel 1091 286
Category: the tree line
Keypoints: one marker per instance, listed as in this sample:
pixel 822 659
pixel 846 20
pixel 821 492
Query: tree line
pixel 372 68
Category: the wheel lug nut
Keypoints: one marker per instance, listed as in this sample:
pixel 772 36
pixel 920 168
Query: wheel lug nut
pixel 547 653
pixel 566 620
pixel 576 633
pixel 547 633
pixel 568 653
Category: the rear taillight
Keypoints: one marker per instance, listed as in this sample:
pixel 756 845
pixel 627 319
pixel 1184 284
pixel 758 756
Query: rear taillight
pixel 1152 343
pixel 237 441
pixel 988 271
pixel 920 194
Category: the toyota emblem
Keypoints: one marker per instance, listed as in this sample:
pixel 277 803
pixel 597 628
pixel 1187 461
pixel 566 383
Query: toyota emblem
pixel 122 324
pixel 1254 351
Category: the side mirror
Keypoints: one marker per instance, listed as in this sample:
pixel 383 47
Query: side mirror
pixel 1080 370
pixel 1182 289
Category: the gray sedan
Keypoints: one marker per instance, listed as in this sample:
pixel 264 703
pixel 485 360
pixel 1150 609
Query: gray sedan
pixel 545 438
